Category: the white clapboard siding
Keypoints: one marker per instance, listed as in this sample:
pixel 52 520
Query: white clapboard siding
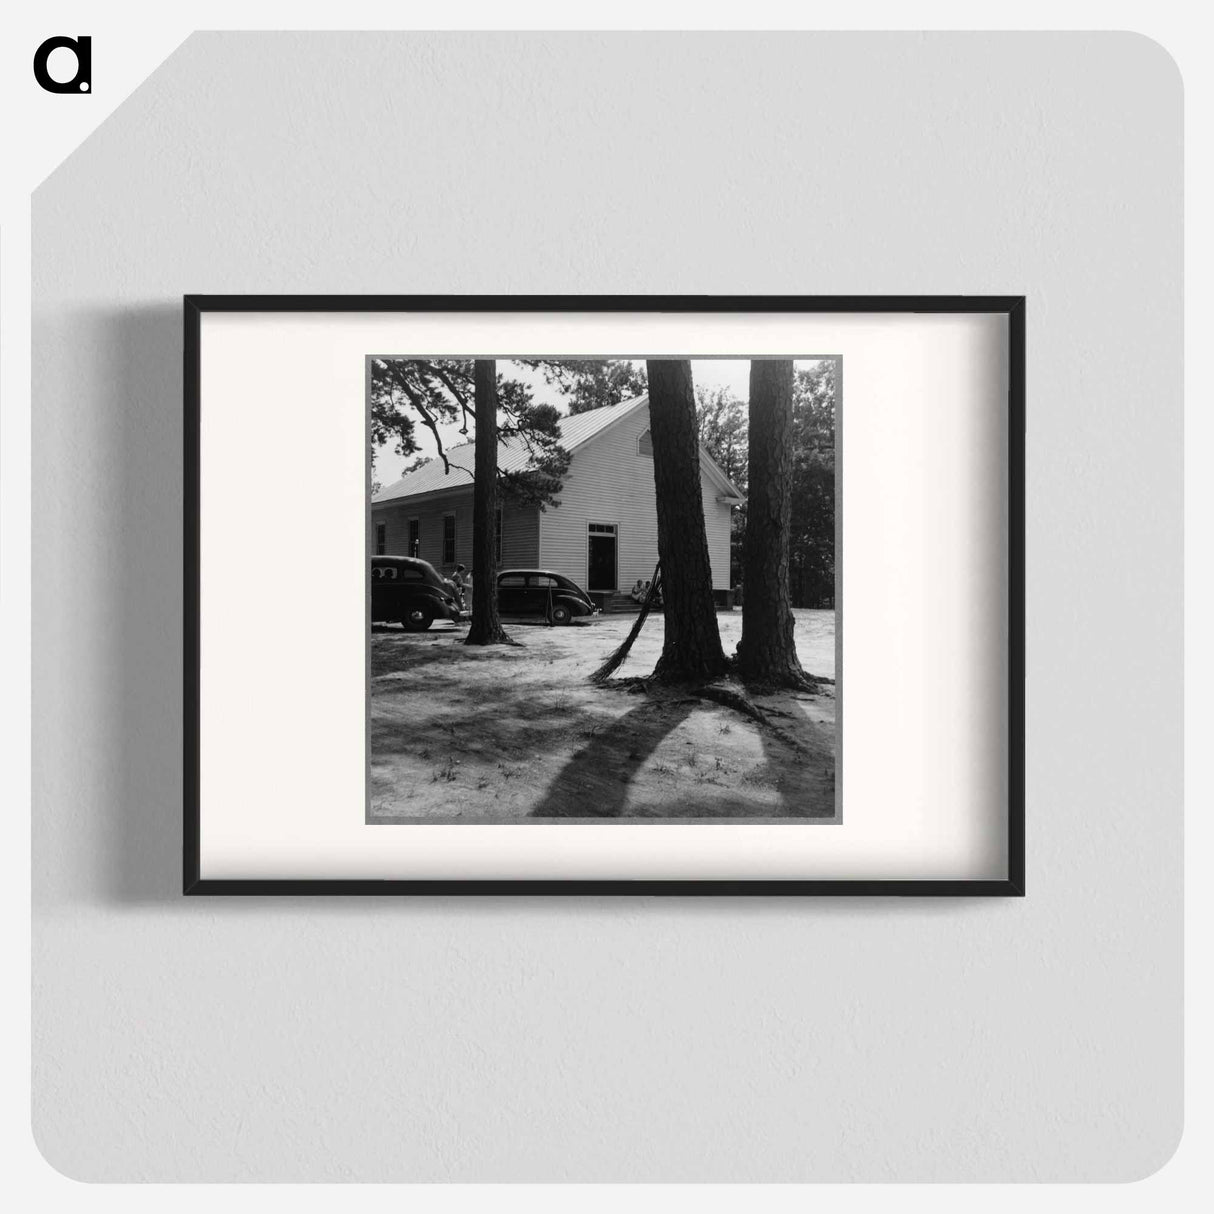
pixel 520 537
pixel 520 530
pixel 611 481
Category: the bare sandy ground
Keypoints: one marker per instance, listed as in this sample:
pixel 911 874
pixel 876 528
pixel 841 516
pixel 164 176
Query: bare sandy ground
pixel 503 734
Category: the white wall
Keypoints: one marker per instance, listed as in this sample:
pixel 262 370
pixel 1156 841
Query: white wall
pixel 609 482
pixel 520 530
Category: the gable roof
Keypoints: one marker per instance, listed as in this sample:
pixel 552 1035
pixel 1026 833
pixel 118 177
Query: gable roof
pixel 513 456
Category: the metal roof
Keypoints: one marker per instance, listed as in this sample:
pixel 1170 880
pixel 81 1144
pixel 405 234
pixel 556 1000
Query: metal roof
pixel 512 453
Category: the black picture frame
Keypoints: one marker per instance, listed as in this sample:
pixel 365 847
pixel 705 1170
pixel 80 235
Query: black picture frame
pixel 1010 306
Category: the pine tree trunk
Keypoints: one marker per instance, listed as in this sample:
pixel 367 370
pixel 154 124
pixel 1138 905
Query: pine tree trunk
pixel 486 628
pixel 767 654
pixel 692 647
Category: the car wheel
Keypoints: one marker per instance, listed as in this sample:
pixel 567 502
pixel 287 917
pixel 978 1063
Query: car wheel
pixel 417 620
pixel 561 614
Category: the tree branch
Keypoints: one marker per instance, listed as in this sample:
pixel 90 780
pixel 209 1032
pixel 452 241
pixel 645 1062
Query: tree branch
pixel 427 416
pixel 460 398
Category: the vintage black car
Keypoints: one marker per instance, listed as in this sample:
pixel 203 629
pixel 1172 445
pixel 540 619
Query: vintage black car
pixel 540 592
pixel 410 591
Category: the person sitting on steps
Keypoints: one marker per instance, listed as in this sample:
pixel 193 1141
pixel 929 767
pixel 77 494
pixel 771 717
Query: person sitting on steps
pixel 657 595
pixel 460 581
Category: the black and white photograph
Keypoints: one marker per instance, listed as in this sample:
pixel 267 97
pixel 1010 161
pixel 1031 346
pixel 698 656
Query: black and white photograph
pixel 602 589
pixel 675 582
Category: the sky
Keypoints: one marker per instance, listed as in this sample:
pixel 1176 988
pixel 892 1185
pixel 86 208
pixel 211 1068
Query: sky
pixel 711 373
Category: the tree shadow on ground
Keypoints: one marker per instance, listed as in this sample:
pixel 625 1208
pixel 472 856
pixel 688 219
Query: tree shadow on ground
pixel 804 775
pixel 518 729
pixel 398 651
pixel 594 783
pixel 597 780
pixel 533 621
pixel 509 733
pixel 440 628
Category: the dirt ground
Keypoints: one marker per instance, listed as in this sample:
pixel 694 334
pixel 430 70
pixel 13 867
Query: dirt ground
pixel 500 734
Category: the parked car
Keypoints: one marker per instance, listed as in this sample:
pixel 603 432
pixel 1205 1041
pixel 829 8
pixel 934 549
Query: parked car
pixel 410 591
pixel 540 592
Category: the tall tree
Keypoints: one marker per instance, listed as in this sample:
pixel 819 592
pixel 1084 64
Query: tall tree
pixel 767 653
pixel 590 383
pixel 486 628
pixel 691 650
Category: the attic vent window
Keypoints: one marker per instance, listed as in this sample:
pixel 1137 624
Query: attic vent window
pixel 645 445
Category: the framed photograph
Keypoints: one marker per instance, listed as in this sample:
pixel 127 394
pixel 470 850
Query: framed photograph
pixel 614 594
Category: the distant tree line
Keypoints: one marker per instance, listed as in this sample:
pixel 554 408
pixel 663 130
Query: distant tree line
pixel 589 383
pixel 724 431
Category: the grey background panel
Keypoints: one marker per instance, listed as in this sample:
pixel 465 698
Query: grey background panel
pixel 630 1039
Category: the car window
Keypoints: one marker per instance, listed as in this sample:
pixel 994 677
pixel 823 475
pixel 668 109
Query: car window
pixel 408 574
pixel 511 579
pixel 542 579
